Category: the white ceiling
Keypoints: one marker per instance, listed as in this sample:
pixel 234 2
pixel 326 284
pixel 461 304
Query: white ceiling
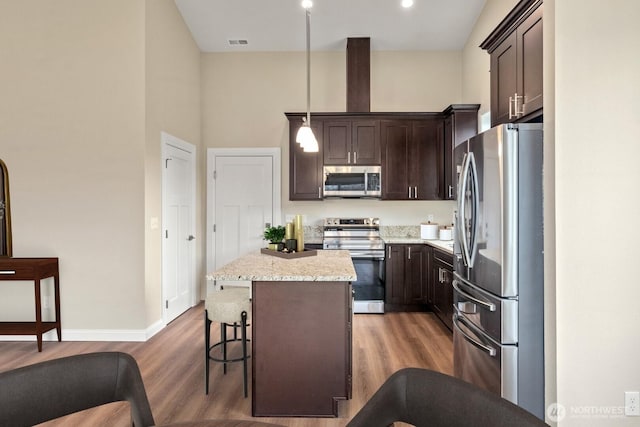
pixel 279 25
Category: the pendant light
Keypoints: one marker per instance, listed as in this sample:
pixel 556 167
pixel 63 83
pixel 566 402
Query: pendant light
pixel 305 136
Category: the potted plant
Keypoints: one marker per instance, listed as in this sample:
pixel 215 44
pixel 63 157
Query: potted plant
pixel 274 236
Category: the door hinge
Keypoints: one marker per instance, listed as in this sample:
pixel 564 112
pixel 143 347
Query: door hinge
pixel 215 174
pixel 166 304
pixel 166 234
pixel 214 228
pixel 166 162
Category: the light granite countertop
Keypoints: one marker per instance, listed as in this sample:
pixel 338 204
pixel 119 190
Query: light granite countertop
pixel 444 245
pixel 326 266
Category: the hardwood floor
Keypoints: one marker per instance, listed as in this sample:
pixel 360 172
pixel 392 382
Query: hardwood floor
pixel 172 366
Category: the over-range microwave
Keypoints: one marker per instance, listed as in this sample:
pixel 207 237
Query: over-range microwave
pixel 352 181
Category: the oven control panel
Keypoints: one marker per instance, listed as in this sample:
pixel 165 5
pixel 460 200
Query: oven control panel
pixel 369 222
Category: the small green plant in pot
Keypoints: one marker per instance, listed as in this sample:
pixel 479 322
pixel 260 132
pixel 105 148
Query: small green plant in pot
pixel 274 236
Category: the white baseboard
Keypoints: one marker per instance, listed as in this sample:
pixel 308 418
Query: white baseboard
pixel 127 335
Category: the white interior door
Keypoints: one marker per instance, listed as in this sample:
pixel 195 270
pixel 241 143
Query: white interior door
pixel 245 193
pixel 178 227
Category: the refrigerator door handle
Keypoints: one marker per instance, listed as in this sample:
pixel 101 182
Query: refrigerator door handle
pixel 461 223
pixel 475 198
pixel 488 305
pixel 487 349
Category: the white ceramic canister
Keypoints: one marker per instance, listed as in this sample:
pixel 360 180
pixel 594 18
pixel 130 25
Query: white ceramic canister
pixel 428 231
pixel 445 233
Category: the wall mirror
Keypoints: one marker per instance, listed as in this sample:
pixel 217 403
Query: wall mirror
pixel 5 213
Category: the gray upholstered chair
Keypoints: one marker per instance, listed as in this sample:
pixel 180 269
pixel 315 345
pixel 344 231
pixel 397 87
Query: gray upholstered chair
pixel 426 398
pixel 44 391
pixel 230 307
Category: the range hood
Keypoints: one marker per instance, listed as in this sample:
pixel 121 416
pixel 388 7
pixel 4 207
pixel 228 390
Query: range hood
pixel 358 75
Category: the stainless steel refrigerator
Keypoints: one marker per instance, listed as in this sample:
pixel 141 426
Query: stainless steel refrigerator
pixel 498 336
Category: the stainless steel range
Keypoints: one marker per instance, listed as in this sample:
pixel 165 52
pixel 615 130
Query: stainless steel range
pixel 361 237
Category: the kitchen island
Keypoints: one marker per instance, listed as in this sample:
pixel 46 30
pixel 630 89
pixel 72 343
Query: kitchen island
pixel 300 331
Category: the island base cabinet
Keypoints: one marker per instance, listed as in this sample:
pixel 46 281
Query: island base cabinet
pixel 301 343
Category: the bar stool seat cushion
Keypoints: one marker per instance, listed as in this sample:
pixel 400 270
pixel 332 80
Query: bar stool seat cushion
pixel 227 305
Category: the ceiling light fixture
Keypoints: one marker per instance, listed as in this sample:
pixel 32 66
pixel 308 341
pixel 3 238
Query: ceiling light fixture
pixel 407 3
pixel 305 136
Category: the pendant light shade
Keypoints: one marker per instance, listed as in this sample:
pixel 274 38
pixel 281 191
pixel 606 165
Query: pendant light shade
pixel 305 136
pixel 307 139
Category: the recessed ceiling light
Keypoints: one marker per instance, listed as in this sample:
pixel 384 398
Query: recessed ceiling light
pixel 407 3
pixel 235 42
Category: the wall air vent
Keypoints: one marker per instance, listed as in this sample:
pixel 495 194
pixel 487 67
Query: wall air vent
pixel 238 42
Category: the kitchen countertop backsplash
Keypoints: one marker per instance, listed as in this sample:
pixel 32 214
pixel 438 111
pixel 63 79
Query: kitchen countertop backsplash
pixel 409 231
pixel 398 234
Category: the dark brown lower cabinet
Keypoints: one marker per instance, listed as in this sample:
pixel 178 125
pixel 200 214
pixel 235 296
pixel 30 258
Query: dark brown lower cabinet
pixel 301 348
pixel 442 286
pixel 407 277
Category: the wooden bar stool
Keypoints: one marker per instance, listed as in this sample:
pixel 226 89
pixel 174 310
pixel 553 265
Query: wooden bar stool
pixel 231 308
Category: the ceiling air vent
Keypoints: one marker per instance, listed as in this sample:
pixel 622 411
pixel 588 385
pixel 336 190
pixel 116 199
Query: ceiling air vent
pixel 238 42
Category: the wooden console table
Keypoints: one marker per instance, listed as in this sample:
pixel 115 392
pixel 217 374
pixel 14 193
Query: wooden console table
pixel 36 269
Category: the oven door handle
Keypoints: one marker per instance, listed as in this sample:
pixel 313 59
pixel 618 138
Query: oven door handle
pixel 366 255
pixel 488 349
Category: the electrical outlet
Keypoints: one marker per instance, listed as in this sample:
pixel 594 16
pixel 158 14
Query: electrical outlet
pixel 632 403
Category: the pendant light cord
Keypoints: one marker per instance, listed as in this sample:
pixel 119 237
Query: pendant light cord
pixel 308 71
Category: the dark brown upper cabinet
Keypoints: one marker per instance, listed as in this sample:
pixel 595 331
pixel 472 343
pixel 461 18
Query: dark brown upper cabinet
pixel 460 124
pixel 305 169
pixel 516 52
pixel 412 159
pixel 352 142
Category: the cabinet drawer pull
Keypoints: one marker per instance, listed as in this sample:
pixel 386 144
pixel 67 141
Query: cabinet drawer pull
pixel 7 272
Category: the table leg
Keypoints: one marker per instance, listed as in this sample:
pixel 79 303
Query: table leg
pixel 36 284
pixel 56 295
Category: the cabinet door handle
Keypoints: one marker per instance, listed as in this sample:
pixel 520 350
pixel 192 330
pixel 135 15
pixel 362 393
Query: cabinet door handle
pixel 511 116
pixel 319 192
pixel 355 159
pixel 409 252
pixel 349 157
pixel 450 191
pixel 415 192
pixel 409 192
pixel 389 251
pixel 519 111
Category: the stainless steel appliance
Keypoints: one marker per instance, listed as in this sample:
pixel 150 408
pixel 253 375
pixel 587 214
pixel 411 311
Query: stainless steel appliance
pixel 361 237
pixel 498 337
pixel 352 181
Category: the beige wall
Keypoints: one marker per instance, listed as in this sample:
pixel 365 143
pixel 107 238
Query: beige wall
pixel 597 99
pixel 475 61
pixel 173 106
pixel 72 134
pixel 245 96
pixel 86 89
